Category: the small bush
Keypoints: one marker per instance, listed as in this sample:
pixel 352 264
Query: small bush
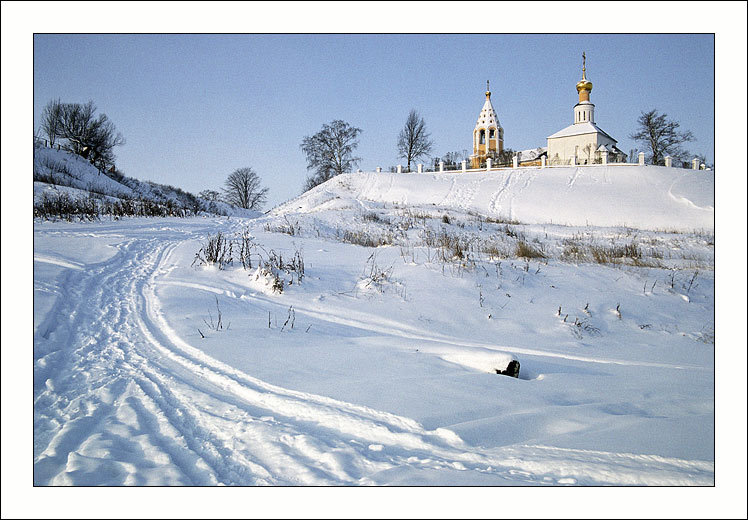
pixel 274 266
pixel 366 239
pixel 495 250
pixel 370 216
pixel 288 229
pixel 616 253
pixel 246 246
pixel 525 250
pixel 573 251
pixel 218 251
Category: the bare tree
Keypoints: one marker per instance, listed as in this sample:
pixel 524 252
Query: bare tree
pixel 81 132
pixel 329 152
pixel 242 188
pixel 413 141
pixel 660 137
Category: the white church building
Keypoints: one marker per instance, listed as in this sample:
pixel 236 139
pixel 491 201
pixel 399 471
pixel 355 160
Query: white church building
pixel 583 142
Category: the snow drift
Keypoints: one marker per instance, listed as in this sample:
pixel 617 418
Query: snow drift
pixel 645 197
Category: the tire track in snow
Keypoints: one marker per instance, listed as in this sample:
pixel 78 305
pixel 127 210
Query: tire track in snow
pixel 451 454
pixel 91 373
pixel 103 356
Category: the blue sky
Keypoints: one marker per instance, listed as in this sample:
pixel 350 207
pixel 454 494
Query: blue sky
pixel 195 107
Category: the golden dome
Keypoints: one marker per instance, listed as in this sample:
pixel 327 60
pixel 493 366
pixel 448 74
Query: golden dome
pixel 585 84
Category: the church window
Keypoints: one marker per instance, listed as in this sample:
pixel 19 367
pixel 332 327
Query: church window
pixel 491 134
pixel 482 137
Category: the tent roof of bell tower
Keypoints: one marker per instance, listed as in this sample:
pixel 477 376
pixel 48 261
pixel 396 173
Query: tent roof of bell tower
pixel 488 117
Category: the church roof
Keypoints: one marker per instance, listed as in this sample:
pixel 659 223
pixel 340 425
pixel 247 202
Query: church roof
pixel 488 115
pixel 579 129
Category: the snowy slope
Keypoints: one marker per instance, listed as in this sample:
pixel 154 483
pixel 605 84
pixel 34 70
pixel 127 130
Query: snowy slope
pixel 645 197
pixel 379 366
pixel 58 171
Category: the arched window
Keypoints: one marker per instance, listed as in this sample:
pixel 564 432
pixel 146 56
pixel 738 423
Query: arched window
pixel 491 134
pixel 482 139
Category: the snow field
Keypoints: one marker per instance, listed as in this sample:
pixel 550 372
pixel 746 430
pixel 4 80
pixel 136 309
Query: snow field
pixel 183 409
pixel 379 367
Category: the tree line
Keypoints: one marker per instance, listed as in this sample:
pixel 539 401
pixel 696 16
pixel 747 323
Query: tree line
pixel 330 151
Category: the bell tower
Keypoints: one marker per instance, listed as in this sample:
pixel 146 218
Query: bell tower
pixel 488 136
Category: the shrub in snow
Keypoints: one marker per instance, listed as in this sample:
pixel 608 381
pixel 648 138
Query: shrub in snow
pixel 288 229
pixel 525 250
pixel 365 238
pixel 217 251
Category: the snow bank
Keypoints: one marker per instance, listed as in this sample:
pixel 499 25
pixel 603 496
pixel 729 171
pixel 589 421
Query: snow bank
pixel 58 171
pixel 66 169
pixel 644 197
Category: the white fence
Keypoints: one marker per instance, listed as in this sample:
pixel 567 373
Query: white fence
pixel 695 165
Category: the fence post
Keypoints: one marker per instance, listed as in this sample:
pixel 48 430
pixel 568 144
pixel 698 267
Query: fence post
pixel 488 163
pixel 464 166
pixel 641 158
pixel 441 166
pixel 605 157
pixel 695 163
pixel 399 168
pixel 379 169
pixel 542 162
pixel 668 161
pixel 514 162
pixel 420 168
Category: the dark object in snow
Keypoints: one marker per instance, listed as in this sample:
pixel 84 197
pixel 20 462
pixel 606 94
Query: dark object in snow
pixel 512 369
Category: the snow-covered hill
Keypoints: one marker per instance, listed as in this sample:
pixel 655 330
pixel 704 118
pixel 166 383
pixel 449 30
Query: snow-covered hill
pixel 644 197
pixel 355 335
pixel 59 172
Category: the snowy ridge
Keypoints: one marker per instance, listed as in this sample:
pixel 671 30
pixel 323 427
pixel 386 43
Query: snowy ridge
pixel 644 197
pixel 60 172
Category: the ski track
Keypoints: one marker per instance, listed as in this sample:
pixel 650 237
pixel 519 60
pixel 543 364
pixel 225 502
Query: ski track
pixel 128 402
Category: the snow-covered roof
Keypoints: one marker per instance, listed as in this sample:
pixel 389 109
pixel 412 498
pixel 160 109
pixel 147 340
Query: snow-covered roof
pixel 532 153
pixel 488 115
pixel 579 129
pixel 602 148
